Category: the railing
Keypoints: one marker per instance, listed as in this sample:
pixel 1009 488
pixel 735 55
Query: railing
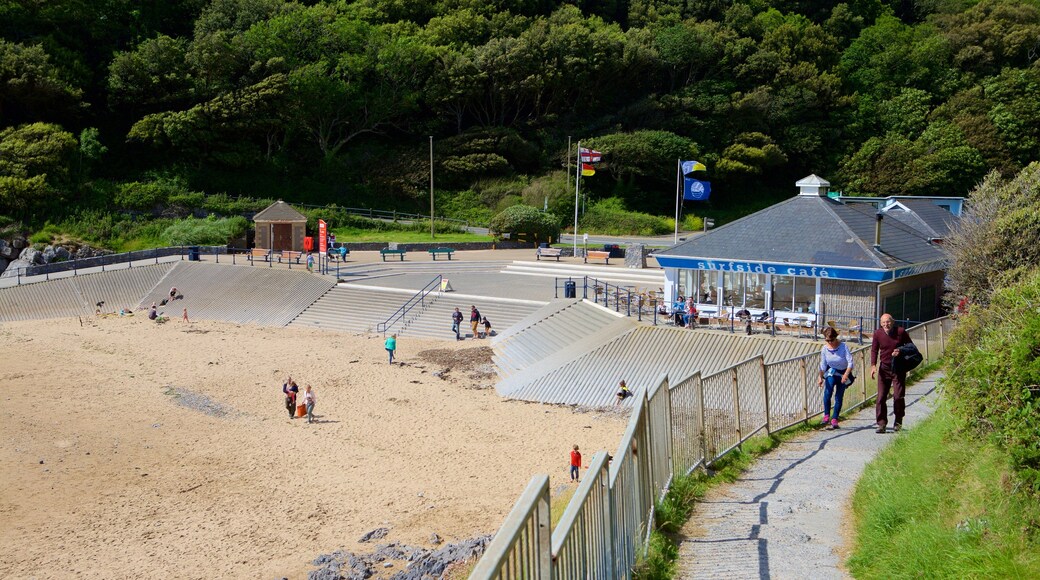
pixel 54 270
pixel 674 429
pixel 417 299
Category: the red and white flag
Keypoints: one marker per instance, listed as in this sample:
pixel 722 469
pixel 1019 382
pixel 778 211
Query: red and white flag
pixel 590 156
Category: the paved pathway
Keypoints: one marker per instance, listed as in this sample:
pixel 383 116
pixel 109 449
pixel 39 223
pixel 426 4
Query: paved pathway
pixel 783 517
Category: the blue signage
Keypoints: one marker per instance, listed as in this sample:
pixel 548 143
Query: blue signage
pixel 805 270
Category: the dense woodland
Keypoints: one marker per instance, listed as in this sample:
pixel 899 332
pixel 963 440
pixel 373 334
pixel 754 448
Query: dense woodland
pixel 108 103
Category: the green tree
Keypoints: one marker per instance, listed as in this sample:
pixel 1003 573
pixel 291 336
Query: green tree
pixel 32 88
pixel 527 221
pixel 34 165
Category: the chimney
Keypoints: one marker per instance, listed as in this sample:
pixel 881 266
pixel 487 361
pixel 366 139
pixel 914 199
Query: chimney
pixel 813 186
pixel 877 230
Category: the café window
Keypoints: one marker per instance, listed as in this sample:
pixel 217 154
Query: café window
pixel 755 291
pixel 733 288
pixel 706 291
pixel 794 293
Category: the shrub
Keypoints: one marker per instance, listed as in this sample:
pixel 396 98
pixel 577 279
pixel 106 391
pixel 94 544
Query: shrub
pixel 525 220
pixel 692 223
pixel 993 382
pixel 609 216
pixel 209 231
pixel 142 196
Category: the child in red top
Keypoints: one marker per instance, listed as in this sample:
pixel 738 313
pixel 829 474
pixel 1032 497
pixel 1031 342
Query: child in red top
pixel 575 464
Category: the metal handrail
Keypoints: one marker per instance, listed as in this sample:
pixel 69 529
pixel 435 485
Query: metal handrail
pixel 417 298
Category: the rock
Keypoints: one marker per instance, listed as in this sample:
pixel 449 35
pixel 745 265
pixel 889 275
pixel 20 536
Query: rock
pixel 435 539
pixel 375 534
pixel 14 267
pixel 635 256
pixel 62 254
pixel 18 242
pixel 32 256
pixel 3 264
pixel 48 254
pixel 6 251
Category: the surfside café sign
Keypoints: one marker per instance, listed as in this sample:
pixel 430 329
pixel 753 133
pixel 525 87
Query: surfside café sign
pixel 803 270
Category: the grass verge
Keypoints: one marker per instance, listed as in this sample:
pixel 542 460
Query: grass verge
pixel 939 504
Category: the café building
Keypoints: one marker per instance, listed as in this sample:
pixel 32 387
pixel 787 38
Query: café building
pixel 816 258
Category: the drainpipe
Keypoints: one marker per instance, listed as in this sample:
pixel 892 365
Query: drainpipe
pixel 877 230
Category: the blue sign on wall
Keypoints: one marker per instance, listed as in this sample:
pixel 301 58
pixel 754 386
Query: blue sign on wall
pixel 806 270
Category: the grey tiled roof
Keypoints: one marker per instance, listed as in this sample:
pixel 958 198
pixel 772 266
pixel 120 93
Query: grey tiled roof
pixel 925 216
pixel 280 211
pixel 815 231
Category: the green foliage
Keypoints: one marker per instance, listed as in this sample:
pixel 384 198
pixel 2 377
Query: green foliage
pixel 553 191
pixel 525 220
pixel 209 231
pixel 692 223
pixel 609 216
pixel 34 166
pixel 943 501
pixel 994 379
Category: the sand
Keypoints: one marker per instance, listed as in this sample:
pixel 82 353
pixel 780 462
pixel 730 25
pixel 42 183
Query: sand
pixel 106 475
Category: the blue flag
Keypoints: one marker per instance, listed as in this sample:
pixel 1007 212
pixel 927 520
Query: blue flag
pixel 696 190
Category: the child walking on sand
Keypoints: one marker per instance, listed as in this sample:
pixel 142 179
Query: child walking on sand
pixel 575 464
pixel 391 345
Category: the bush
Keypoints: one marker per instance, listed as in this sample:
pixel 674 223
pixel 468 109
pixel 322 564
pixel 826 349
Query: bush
pixel 692 223
pixel 993 382
pixel 209 231
pixel 609 216
pixel 142 196
pixel 525 220
pixel 223 204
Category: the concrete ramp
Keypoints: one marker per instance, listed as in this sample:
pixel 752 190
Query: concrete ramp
pixel 559 329
pixel 639 356
pixel 78 295
pixel 242 294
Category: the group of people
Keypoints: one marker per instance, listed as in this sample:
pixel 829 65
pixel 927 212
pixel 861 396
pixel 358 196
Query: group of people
pixel 291 391
pixel 475 320
pixel 889 344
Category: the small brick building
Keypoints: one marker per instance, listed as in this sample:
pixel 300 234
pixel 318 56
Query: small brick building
pixel 280 227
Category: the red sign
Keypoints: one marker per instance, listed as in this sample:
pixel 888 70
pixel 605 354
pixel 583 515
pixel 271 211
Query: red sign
pixel 323 237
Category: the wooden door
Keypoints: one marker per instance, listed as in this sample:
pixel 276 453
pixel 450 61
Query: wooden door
pixel 281 237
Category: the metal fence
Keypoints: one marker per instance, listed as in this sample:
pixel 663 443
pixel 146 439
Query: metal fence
pixel 673 430
pixel 55 270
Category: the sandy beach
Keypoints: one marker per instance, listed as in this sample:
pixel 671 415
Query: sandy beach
pixel 130 449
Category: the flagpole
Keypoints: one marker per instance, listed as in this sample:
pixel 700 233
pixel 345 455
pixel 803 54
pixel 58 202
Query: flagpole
pixel 577 177
pixel 678 189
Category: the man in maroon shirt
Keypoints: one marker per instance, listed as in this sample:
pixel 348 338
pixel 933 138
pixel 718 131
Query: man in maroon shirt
pixel 886 342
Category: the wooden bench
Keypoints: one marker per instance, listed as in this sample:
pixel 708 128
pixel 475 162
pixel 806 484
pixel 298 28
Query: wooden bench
pixel 259 253
pixel 548 253
pixel 388 252
pixel 290 255
pixel 597 255
pixel 444 251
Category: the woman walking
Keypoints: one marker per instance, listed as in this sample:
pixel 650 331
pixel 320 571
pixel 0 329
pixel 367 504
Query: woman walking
pixel 309 399
pixel 835 375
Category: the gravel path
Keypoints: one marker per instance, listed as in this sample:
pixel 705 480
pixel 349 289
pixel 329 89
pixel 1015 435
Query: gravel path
pixel 783 518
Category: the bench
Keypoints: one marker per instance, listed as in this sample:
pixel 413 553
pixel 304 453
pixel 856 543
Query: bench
pixel 388 252
pixel 259 253
pixel 548 253
pixel 597 255
pixel 290 255
pixel 444 251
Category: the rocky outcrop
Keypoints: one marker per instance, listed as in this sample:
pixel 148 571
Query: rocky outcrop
pixel 12 260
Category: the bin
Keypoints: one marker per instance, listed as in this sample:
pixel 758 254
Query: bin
pixel 308 244
pixel 193 253
pixel 570 289
pixel 615 250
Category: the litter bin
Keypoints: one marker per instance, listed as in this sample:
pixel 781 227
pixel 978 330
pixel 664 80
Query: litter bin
pixel 615 250
pixel 193 253
pixel 570 289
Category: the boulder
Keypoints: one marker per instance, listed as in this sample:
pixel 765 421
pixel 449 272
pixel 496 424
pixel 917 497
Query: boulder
pixel 32 256
pixel 48 254
pixel 6 251
pixel 18 242
pixel 3 264
pixel 14 267
pixel 62 254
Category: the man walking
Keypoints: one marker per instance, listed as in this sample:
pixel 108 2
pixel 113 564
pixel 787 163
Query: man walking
pixel 884 345
pixel 456 323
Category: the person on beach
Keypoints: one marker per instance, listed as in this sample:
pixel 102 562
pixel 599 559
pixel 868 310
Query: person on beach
pixel 290 389
pixel 153 313
pixel 391 346
pixel 474 320
pixel 575 464
pixel 487 326
pixel 623 392
pixel 173 294
pixel 309 399
pixel 883 346
pixel 185 318
pixel 456 323
pixel 835 375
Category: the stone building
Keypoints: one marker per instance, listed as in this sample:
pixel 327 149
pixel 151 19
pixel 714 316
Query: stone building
pixel 280 227
pixel 814 258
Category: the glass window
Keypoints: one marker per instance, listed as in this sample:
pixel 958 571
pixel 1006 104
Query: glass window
pixel 927 303
pixel 733 288
pixel 783 293
pixel 804 294
pixel 706 287
pixel 912 305
pixel 894 306
pixel 755 291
